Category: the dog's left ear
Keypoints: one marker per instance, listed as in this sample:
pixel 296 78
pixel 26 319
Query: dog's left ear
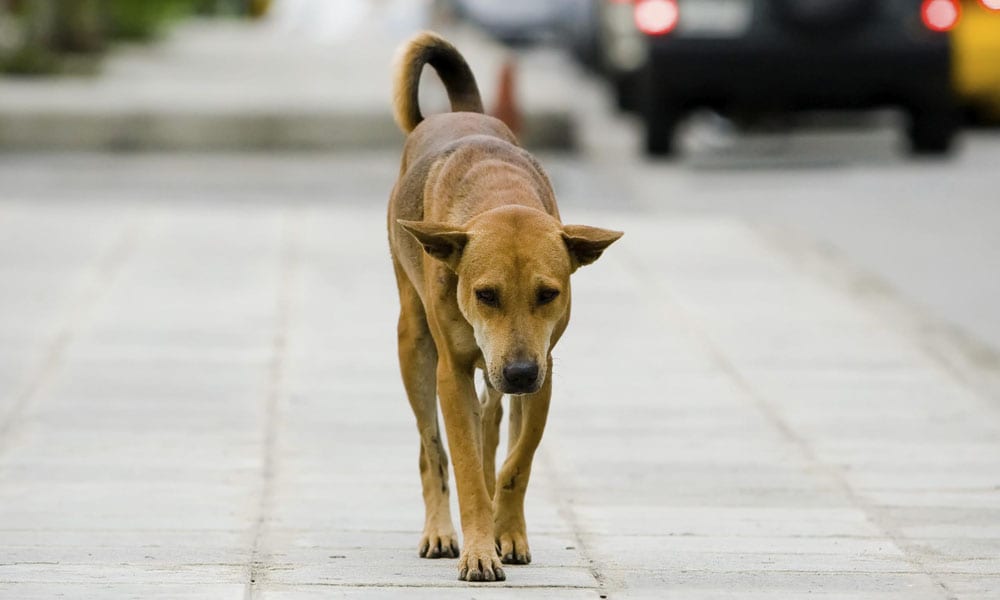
pixel 443 242
pixel 586 243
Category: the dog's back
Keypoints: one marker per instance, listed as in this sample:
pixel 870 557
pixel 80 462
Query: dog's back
pixel 444 147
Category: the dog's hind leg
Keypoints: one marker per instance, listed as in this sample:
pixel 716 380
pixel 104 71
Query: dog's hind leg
pixel 514 423
pixel 418 364
pixel 492 416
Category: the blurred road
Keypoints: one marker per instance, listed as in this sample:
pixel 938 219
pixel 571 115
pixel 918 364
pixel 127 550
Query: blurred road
pixel 926 228
pixel 761 395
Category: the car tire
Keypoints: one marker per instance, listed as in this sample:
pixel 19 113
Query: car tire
pixel 932 131
pixel 628 92
pixel 661 113
pixel 661 129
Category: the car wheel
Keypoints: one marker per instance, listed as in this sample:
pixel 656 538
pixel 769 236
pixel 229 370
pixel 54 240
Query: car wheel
pixel 628 92
pixel 661 112
pixel 661 128
pixel 932 131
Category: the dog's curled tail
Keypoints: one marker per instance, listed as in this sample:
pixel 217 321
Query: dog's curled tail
pixel 430 48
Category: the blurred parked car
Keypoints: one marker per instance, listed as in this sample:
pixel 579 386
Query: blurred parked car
pixel 747 58
pixel 976 41
pixel 603 40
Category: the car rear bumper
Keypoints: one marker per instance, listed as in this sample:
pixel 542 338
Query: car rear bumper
pixel 749 74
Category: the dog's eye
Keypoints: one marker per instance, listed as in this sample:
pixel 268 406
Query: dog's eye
pixel 545 296
pixel 488 297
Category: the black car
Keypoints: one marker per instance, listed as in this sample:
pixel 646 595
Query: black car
pixel 755 57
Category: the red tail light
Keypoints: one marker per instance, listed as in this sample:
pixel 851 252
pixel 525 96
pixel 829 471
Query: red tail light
pixel 941 15
pixel 656 17
pixel 991 4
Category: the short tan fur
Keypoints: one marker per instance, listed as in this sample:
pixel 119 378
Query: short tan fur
pixel 483 267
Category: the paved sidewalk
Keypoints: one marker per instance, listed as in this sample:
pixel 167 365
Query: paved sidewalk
pixel 216 84
pixel 200 399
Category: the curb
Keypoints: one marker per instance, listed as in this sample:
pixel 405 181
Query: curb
pixel 137 130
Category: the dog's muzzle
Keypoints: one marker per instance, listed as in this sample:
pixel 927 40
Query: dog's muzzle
pixel 521 377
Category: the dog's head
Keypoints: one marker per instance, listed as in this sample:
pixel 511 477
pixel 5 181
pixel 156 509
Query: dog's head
pixel 513 265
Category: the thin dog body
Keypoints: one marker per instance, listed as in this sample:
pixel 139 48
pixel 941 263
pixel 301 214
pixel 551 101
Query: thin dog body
pixel 482 264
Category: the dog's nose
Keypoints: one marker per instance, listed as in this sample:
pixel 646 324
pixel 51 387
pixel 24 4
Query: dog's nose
pixel 520 376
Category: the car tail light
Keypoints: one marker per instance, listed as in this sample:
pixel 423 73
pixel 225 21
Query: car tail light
pixel 991 4
pixel 656 17
pixel 940 15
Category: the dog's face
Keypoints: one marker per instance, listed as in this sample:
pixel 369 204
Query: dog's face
pixel 513 266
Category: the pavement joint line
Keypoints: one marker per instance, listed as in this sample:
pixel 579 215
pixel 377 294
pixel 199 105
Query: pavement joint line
pixel 968 361
pixel 468 585
pixel 565 508
pixel 285 302
pixel 100 275
pixel 690 325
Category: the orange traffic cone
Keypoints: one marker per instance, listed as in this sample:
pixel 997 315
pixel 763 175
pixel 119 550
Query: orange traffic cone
pixel 506 108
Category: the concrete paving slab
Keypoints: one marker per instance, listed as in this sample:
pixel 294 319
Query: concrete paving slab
pixel 778 584
pixel 469 592
pixel 100 575
pixel 124 591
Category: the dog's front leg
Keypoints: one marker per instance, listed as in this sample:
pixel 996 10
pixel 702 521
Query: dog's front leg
pixel 479 560
pixel 512 483
pixel 492 408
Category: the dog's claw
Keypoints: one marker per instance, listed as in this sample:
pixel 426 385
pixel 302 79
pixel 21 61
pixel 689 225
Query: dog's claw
pixel 438 546
pixel 485 567
pixel 516 559
pixel 514 547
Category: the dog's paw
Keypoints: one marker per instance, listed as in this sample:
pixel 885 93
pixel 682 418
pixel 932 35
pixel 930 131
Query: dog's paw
pixel 480 563
pixel 439 544
pixel 513 547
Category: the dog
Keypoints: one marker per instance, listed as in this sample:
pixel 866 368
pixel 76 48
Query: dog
pixel 482 263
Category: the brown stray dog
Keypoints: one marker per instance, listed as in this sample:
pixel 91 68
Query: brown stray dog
pixel 482 264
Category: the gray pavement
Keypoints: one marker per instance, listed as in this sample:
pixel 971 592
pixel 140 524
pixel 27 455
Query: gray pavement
pixel 926 228
pixel 199 398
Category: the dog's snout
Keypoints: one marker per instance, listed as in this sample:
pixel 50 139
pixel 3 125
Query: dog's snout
pixel 521 376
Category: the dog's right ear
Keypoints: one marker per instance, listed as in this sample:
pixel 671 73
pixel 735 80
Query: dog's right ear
pixel 443 242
